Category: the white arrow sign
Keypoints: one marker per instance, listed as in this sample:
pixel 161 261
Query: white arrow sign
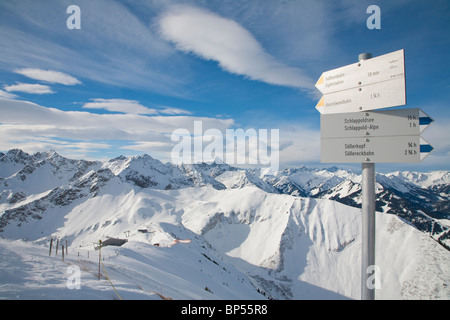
pixel 375 96
pixel 382 68
pixel 367 85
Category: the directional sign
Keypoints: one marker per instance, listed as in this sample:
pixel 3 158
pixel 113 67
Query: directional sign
pixel 351 132
pixel 382 68
pixel 403 122
pixel 379 95
pixel 395 149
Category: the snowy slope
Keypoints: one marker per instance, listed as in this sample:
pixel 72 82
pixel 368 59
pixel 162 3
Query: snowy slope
pixel 98 206
pixel 289 247
pixel 237 179
pixel 202 174
pixel 423 199
pixel 310 248
pixel 423 180
pixel 304 181
pixel 137 270
pixel 242 242
pixel 147 172
pixel 25 175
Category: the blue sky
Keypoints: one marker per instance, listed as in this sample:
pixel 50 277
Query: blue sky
pixel 138 70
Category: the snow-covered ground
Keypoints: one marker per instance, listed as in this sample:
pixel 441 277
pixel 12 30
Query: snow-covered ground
pixel 241 240
pixel 137 270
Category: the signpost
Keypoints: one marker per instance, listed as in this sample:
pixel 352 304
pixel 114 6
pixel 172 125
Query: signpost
pixel 352 133
pixel 374 136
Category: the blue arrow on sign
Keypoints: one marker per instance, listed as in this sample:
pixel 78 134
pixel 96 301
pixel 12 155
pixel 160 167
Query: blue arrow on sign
pixel 424 120
pixel 425 149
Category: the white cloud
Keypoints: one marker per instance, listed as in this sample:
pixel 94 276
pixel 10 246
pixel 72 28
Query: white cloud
pixel 29 140
pixel 40 128
pixel 437 136
pixel 212 37
pixel 115 46
pixel 7 95
pixel 174 111
pixel 298 145
pixel 132 107
pixel 148 145
pixel 25 124
pixel 120 105
pixel 29 88
pixel 48 76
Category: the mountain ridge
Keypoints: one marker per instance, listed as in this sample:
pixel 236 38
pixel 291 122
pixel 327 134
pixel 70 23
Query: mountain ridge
pixel 420 198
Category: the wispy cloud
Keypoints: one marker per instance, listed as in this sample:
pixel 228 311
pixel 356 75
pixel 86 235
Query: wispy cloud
pixel 29 88
pixel 7 95
pixel 299 144
pixel 148 145
pixel 119 105
pixel 213 37
pixel 37 128
pixel 48 76
pixel 174 111
pixel 437 136
pixel 115 46
pixel 132 107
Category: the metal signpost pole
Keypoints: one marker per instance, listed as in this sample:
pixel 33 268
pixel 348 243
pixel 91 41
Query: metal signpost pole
pixel 368 223
pixel 352 132
pixel 368 231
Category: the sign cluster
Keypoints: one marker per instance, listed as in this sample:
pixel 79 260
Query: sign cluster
pixel 351 132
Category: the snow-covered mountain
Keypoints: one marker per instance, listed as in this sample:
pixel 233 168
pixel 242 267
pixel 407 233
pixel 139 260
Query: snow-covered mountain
pixel 22 174
pixel 207 231
pixel 419 198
